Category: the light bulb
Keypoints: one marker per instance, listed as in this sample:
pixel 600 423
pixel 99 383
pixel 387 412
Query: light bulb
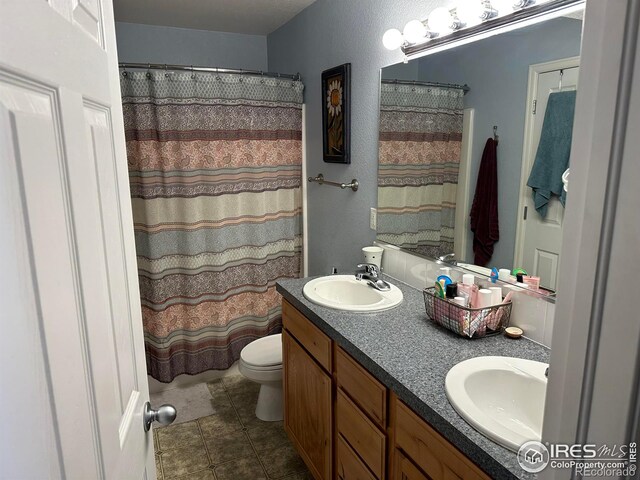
pixel 392 39
pixel 414 31
pixel 440 20
pixel 470 12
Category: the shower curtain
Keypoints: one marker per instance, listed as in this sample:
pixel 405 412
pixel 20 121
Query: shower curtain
pixel 215 164
pixel 420 140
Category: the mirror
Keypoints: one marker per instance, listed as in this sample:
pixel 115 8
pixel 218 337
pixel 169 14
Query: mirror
pixel 473 144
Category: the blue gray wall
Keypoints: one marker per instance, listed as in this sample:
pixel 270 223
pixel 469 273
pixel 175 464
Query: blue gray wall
pixel 497 70
pixel 155 44
pixel 326 34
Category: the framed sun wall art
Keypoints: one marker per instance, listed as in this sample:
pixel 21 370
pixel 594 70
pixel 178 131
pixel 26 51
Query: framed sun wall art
pixel 336 114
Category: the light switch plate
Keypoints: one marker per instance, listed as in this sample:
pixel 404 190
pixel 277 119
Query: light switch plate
pixel 373 219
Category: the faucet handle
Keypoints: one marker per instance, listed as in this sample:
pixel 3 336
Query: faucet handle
pixel 371 268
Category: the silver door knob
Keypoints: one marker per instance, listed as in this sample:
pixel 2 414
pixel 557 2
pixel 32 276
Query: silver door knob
pixel 164 415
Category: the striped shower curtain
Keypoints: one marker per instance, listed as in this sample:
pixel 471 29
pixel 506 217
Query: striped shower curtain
pixel 420 140
pixel 215 163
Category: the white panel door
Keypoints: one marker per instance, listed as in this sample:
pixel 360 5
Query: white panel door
pixel 72 363
pixel 542 237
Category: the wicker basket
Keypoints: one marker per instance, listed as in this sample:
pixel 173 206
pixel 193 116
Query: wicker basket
pixel 465 321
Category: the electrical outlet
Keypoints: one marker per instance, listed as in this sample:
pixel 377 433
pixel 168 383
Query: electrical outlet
pixel 373 219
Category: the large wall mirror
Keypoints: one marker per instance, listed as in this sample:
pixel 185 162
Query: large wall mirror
pixel 473 145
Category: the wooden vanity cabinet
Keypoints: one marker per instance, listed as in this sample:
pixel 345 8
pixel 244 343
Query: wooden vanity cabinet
pixel 308 400
pixel 431 452
pixel 346 425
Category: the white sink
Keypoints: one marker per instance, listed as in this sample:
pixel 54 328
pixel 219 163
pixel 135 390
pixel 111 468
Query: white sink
pixel 344 292
pixel 501 397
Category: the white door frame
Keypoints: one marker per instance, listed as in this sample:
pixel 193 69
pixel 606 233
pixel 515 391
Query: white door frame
pixel 592 394
pixel 528 147
pixel 462 228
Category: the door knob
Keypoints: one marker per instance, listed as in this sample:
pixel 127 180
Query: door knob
pixel 164 415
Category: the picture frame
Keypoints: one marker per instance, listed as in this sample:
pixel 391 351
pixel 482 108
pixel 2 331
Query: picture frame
pixel 336 114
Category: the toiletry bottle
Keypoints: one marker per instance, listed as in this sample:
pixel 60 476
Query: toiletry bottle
pixel 504 274
pixel 532 282
pixel 468 289
pixel 494 275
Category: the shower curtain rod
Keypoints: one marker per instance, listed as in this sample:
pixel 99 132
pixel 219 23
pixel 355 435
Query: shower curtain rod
pixel 192 68
pixel 465 88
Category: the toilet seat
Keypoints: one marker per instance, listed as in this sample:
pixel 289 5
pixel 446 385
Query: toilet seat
pixel 263 354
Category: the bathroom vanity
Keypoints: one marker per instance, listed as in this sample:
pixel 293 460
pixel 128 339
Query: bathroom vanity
pixel 364 393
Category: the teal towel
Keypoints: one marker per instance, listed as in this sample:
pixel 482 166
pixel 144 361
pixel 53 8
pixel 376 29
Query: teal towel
pixel 552 157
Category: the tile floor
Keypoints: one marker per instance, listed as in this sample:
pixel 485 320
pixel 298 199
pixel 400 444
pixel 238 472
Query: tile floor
pixel 229 443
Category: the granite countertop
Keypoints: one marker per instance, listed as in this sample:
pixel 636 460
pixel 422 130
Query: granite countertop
pixel 411 356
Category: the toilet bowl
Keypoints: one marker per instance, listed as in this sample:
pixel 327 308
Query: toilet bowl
pixel 261 362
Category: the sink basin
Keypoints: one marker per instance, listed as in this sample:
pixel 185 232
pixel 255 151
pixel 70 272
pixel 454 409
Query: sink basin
pixel 344 292
pixel 501 397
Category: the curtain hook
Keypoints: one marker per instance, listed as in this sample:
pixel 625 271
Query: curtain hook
pixel 166 73
pixel 261 76
pixel 193 75
pixel 217 74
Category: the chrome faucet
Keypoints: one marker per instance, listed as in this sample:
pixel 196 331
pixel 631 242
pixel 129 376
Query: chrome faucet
pixel 371 274
pixel 448 258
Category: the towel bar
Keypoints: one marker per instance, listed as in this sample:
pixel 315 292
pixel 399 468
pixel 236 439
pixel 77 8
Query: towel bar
pixel 320 179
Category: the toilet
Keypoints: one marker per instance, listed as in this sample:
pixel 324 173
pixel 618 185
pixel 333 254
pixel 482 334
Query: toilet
pixel 261 362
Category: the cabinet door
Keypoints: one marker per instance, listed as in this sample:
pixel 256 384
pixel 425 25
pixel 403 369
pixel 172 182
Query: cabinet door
pixel 307 407
pixel 404 469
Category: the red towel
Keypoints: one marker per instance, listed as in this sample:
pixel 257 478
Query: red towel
pixel 484 211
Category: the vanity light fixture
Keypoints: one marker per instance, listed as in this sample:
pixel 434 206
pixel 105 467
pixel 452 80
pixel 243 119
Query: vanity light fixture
pixel 414 32
pixel 468 20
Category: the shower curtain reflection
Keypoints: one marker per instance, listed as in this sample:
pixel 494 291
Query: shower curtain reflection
pixel 420 141
pixel 215 170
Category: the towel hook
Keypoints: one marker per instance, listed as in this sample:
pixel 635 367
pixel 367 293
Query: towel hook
pixel 560 82
pixel 495 133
